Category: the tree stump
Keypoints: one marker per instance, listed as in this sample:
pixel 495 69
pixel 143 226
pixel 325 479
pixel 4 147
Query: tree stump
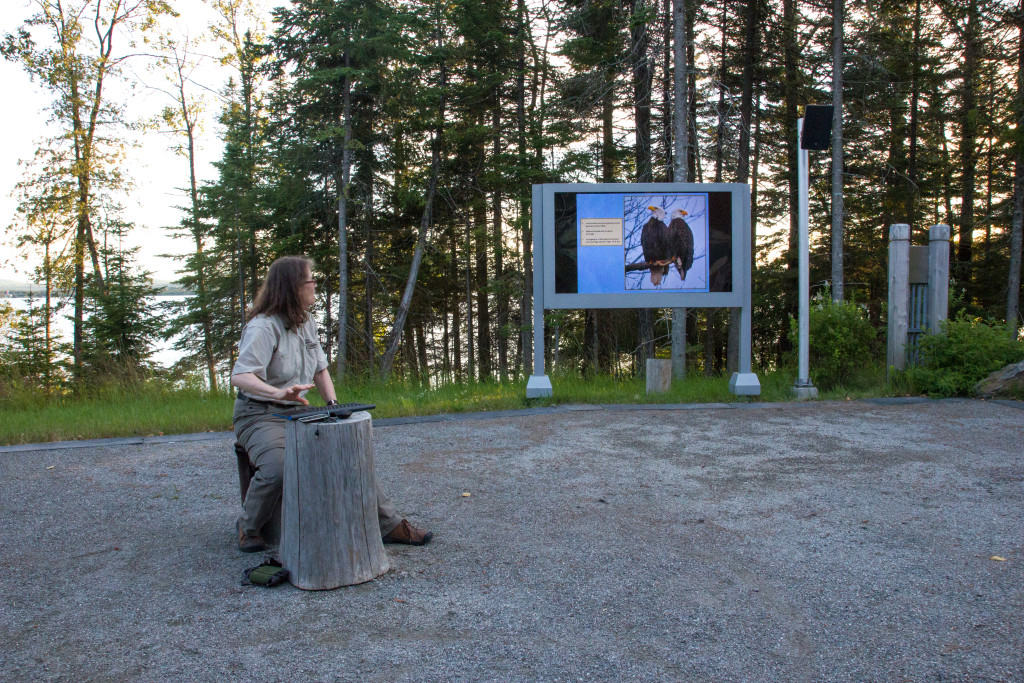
pixel 659 375
pixel 330 535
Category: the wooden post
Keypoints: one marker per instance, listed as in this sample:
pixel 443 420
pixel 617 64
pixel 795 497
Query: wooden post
pixel 899 296
pixel 330 535
pixel 659 375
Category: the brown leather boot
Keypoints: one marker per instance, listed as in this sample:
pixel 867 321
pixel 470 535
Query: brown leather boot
pixel 247 543
pixel 408 534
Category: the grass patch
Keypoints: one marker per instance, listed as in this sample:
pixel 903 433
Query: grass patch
pixel 141 411
pixel 154 409
pixel 400 399
pixel 869 382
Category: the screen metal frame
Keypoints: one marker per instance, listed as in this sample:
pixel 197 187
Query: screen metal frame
pixel 544 249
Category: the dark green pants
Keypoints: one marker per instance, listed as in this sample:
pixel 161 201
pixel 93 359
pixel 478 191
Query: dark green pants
pixel 262 435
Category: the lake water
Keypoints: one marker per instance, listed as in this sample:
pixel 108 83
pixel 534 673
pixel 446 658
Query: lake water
pixel 163 353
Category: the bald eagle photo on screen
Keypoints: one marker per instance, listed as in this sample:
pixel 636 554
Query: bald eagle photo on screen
pixel 683 237
pixel 664 242
pixel 656 243
pixel 665 245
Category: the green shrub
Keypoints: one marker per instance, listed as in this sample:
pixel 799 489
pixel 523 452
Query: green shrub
pixel 967 350
pixel 842 340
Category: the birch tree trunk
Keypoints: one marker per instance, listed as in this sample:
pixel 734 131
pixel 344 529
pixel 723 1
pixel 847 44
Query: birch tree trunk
pixel 680 169
pixel 456 321
pixel 791 54
pixel 189 111
pixel 607 176
pixel 642 113
pixel 371 347
pixel 1017 226
pixel 483 311
pixel 751 47
pixel 395 337
pixel 537 104
pixel 754 171
pixel 667 89
pixel 709 347
pixel 968 153
pixel 837 150
pixel 470 332
pixel 346 163
pixel 915 105
pixel 526 305
pixel 501 294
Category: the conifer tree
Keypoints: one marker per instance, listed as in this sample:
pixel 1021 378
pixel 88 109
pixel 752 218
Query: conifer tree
pixel 122 323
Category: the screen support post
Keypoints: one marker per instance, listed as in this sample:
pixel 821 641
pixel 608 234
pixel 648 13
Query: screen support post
pixel 539 384
pixel 745 382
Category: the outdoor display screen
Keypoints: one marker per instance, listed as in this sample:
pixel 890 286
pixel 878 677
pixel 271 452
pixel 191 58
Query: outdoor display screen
pixel 625 242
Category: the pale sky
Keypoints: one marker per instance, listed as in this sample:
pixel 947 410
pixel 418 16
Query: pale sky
pixel 158 173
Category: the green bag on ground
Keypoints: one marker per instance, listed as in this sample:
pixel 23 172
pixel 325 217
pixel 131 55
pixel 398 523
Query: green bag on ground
pixel 268 574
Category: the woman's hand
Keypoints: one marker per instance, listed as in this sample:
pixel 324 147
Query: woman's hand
pixel 292 393
pixel 254 386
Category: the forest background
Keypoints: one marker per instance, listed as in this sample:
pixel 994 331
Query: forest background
pixel 396 142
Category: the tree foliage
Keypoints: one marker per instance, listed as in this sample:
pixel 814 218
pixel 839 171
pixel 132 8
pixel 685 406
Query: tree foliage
pixel 966 351
pixel 335 143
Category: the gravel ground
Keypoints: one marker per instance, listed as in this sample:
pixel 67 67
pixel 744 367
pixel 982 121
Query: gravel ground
pixel 829 541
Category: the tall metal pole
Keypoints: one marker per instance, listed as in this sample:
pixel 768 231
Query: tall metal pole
pixel 803 388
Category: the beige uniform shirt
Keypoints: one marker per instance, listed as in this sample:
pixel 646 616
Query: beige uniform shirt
pixel 278 356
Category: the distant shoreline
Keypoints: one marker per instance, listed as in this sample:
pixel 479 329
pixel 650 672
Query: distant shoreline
pixel 24 291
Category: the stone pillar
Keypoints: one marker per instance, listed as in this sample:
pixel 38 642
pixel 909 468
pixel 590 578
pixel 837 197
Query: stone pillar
pixel 938 276
pixel 899 296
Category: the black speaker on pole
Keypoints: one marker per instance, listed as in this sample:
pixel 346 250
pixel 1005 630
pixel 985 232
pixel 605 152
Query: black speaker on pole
pixel 817 132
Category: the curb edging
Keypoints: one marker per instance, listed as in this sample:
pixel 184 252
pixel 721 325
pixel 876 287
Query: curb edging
pixel 496 414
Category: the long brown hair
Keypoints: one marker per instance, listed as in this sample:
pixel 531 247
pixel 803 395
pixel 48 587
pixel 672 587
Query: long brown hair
pixel 279 294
